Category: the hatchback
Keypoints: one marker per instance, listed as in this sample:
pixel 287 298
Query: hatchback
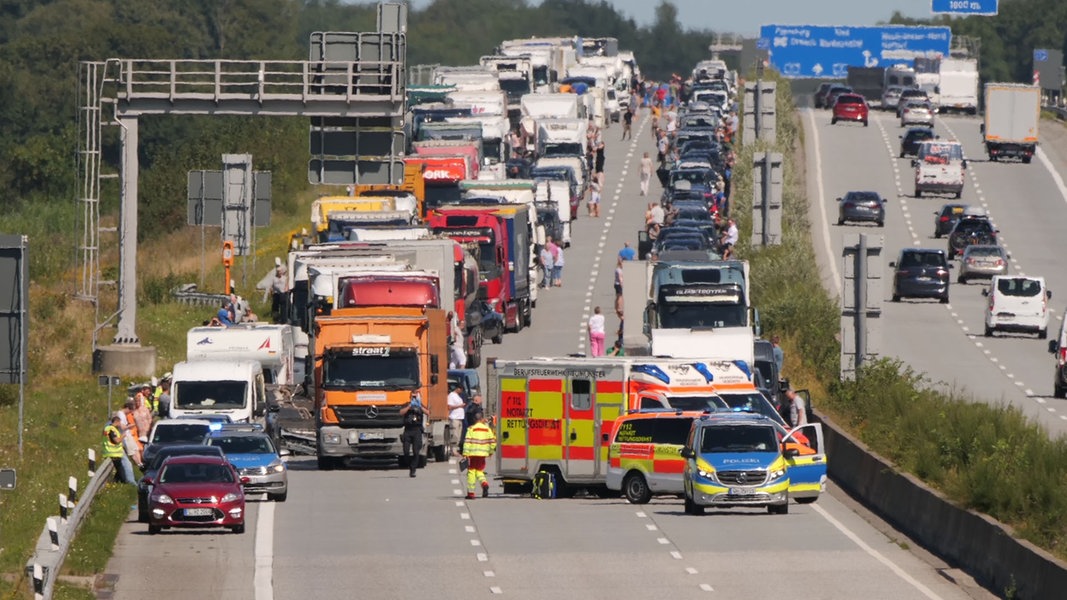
pixel 946 218
pixel 920 273
pixel 909 142
pixel 890 97
pixel 144 489
pixel 861 206
pixel 196 491
pixel 982 261
pixel 909 94
pixel 850 107
pixel 1017 303
pixel 916 112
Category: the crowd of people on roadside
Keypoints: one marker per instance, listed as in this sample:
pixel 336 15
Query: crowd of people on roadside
pixel 126 433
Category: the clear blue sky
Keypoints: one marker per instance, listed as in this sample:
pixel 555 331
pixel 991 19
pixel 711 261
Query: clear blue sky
pixel 746 16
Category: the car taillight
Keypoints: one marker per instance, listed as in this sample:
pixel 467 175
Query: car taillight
pixel 971 261
pixel 944 219
pixel 1063 354
pixel 941 272
pixel 1000 262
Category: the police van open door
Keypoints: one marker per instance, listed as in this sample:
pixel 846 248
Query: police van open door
pixel 807 467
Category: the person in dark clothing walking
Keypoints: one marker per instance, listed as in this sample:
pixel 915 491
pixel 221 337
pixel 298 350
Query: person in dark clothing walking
pixel 411 438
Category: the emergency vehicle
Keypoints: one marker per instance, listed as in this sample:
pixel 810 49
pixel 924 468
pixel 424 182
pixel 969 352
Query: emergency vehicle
pixel 645 455
pixel 557 414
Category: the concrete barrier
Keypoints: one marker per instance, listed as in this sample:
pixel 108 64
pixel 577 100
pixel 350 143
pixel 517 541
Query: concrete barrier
pixel 972 541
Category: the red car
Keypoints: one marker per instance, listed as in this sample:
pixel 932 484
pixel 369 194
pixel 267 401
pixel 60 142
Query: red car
pixel 850 107
pixel 196 491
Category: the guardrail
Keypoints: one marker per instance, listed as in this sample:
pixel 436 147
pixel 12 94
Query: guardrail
pixel 1060 112
pixel 52 547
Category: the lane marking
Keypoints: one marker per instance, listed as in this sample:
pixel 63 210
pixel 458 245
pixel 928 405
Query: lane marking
pixel 821 197
pixel 263 579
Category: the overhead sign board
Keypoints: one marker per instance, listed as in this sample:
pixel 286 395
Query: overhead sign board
pixel 964 7
pixel 806 51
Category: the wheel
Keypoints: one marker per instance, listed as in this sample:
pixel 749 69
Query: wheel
pixel 778 509
pixel 142 510
pixel 238 528
pixel 959 193
pixel 278 497
pixel 527 317
pixel 865 122
pixel 327 463
pixel 807 500
pixel 944 299
pixel 497 339
pixel 692 508
pixel 1026 160
pixel 880 223
pixel 1059 391
pixel 988 331
pixel 154 529
pixel 902 155
pixel 833 120
pixel 636 489
pixel 961 279
pixel 440 453
pixel 937 235
pixel 1042 334
pixel 918 193
pixel 896 297
pixel 840 221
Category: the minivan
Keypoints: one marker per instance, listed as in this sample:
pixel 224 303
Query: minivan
pixel 1017 303
pixel 644 457
pixel 1058 348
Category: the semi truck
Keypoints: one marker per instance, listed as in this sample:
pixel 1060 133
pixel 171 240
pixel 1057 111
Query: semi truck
pixel 867 81
pixel 1012 114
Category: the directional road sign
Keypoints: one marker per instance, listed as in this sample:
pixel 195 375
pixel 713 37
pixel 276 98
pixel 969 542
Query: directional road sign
pixel 802 51
pixel 964 7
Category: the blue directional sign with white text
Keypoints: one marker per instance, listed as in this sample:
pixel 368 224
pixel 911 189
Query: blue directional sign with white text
pixel 964 7
pixel 806 51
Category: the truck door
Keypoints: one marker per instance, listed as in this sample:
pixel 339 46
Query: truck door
pixel 580 441
pixel 807 470
pixel 512 459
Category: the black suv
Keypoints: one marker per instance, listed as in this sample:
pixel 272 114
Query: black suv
pixel 909 142
pixel 920 273
pixel 970 230
pixel 947 218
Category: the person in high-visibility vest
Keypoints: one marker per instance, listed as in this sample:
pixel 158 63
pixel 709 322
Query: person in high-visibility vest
pixel 113 449
pixel 478 446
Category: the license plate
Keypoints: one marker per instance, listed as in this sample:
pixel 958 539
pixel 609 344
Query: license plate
pixel 371 435
pixel 744 491
pixel 924 279
pixel 199 512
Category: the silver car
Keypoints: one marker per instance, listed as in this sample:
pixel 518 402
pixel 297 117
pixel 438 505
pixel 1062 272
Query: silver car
pixel 890 97
pixel 982 261
pixel 916 113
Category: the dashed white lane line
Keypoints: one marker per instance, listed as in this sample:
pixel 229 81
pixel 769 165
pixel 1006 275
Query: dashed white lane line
pixel 691 570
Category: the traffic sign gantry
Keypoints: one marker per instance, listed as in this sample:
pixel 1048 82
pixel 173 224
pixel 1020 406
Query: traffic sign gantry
pixel 964 7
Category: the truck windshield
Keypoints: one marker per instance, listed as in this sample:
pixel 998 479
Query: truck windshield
pixel 439 195
pixel 739 438
pixel 515 87
pixel 710 402
pixel 564 149
pixel 210 395
pixel 696 306
pixel 941 152
pixel 487 267
pixel 493 149
pixel 393 372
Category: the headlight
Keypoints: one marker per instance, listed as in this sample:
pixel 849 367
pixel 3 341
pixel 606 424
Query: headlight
pixel 163 499
pixel 277 467
pixel 706 474
pixel 776 474
pixel 332 438
pixel 231 497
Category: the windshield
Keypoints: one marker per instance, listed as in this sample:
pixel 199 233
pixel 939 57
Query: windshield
pixel 1018 286
pixel 540 74
pixel 564 149
pixel 738 438
pixel 437 195
pixel 487 267
pixel 243 444
pixel 165 453
pixel 492 149
pixel 180 432
pixel 709 402
pixel 939 151
pixel 691 315
pixel 210 395
pixel 753 402
pixel 392 372
pixel 693 177
pixel 196 473
pixel 515 87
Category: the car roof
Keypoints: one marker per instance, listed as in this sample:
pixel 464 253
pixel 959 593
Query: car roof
pixel 921 251
pixel 237 433
pixel 734 418
pixel 189 459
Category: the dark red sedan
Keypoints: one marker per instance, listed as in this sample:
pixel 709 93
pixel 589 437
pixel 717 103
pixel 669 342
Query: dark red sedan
pixel 196 491
pixel 850 107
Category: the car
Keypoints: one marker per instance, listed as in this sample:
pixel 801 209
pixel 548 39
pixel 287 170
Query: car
pixel 832 94
pixel 819 96
pixel 643 457
pixel 891 96
pixel 756 403
pixel 910 140
pixel 1058 349
pixel 492 322
pixel 921 273
pixel 910 94
pixel 861 206
pixel 972 228
pixel 916 112
pixel 260 464
pixel 982 260
pixel 172 432
pixel 850 107
pixel 945 219
pixel 742 459
pixel 1017 303
pixel 144 487
pixel 196 491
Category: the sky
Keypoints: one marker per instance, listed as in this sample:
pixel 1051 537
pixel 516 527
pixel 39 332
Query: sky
pixel 746 16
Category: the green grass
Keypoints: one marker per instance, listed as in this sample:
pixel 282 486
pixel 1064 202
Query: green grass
pixel 98 531
pixel 66 591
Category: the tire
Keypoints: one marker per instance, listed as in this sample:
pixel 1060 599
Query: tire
pixel 154 529
pixel 142 511
pixel 1059 391
pixel 1026 160
pixel 988 331
pixel 278 497
pixel 901 155
pixel 810 500
pixel 238 529
pixel 937 235
pixel 961 279
pixel 527 317
pixel 840 222
pixel 944 299
pixel 918 193
pixel 327 463
pixel 833 120
pixel 1042 334
pixel 497 339
pixel 778 509
pixel 636 489
pixel 959 194
pixel 865 122
pixel 440 453
pixel 896 297
pixel 880 223
pixel 692 508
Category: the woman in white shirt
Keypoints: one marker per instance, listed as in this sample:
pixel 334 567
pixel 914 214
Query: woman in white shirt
pixel 596 333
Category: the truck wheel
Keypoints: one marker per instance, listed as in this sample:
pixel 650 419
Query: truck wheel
pixel 918 193
pixel 440 453
pixel 636 489
pixel 1059 391
pixel 527 317
pixel 959 193
pixel 327 463
pixel 1026 160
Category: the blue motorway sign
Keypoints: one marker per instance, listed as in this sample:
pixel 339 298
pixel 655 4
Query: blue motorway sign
pixel 964 7
pixel 804 51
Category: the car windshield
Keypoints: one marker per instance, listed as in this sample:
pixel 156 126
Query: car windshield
pixel 850 100
pixel 922 259
pixel 862 197
pixel 944 152
pixel 1018 286
pixel 180 432
pixel 166 453
pixel 739 438
pixel 196 473
pixel 243 444
pixel 970 225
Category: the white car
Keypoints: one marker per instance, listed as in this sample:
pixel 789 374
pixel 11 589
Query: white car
pixel 1017 303
pixel 890 97
pixel 916 113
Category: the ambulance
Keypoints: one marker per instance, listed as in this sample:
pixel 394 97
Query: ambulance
pixel 557 414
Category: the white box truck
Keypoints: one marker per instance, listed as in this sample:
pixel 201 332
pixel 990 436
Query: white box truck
pixel 958 88
pixel 1012 113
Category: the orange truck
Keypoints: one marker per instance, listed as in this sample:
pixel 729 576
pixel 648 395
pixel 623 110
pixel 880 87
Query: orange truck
pixel 413 184
pixel 369 363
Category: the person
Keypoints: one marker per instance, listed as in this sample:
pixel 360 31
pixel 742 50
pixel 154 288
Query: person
pixel 618 278
pixel 163 402
pixel 596 333
pixel 598 152
pixel 546 266
pixel 150 393
pixel 646 173
pixel 649 215
pixel 473 407
pixel 225 316
pixel 616 349
pixel 594 197
pixel 729 239
pixel 131 439
pixel 662 145
pixel 658 215
pixel 142 415
pixel 279 286
pixel 456 416
pixel 778 353
pixel 411 438
pixel 798 411
pixel 478 446
pixel 627 253
pixel 113 449
pixel 458 356
pixel 557 265
pixel 627 124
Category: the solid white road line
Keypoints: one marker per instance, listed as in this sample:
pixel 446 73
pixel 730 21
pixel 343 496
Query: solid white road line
pixel 1041 156
pixel 263 580
pixel 824 226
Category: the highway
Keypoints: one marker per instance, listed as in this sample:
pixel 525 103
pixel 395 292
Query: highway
pixel 1027 203
pixel 379 534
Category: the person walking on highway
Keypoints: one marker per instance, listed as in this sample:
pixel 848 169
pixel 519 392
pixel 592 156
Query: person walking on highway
pixel 557 265
pixel 594 197
pixel 596 333
pixel 478 446
pixel 627 124
pixel 546 265
pixel 456 416
pixel 113 450
pixel 646 173
pixel 411 438
pixel 798 410
pixel 458 358
pixel 729 239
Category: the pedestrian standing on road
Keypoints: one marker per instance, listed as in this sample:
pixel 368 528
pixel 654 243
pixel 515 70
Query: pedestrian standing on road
pixel 798 410
pixel 411 438
pixel 113 450
pixel 458 356
pixel 778 353
pixel 646 173
pixel 456 416
pixel 658 214
pixel 618 280
pixel 627 253
pixel 142 416
pixel 598 152
pixel 131 441
pixel 164 397
pixel 594 197
pixel 729 239
pixel 557 266
pixel 596 333
pixel 478 446
pixel 473 407
pixel 546 266
pixel 627 124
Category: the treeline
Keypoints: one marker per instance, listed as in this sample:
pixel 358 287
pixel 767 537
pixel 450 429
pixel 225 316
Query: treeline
pixel 42 42
pixel 1009 39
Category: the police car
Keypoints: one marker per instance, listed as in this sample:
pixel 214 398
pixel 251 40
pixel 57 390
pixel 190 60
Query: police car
pixel 258 461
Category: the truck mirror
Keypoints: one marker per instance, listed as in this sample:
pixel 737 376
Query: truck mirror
pixel 435 366
pixel 688 453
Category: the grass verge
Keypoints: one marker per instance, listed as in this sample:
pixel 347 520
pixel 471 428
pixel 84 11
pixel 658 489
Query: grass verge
pixel 110 509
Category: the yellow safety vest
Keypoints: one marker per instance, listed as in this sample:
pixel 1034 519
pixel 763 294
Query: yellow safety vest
pixel 152 400
pixel 112 450
pixel 480 440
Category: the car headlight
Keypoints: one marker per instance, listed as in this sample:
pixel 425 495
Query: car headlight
pixel 706 474
pixel 162 499
pixel 276 467
pixel 331 438
pixel 776 474
pixel 231 497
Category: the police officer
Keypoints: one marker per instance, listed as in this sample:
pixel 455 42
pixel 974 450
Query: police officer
pixel 114 450
pixel 411 438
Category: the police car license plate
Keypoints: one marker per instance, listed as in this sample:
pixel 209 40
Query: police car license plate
pixel 365 436
pixel 742 491
pixel 198 512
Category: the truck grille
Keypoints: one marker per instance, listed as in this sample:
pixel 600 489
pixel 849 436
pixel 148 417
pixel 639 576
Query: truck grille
pixel 369 416
pixel 746 478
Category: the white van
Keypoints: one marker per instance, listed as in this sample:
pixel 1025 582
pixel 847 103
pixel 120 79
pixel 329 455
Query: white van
pixel 218 387
pixel 1058 349
pixel 1017 303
